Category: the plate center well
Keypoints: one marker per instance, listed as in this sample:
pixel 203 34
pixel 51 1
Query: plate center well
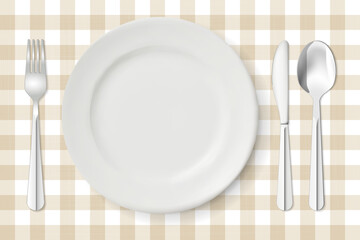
pixel 159 112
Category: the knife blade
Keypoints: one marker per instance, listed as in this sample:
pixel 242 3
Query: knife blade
pixel 280 82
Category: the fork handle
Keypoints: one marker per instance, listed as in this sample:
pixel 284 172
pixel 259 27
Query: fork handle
pixel 35 198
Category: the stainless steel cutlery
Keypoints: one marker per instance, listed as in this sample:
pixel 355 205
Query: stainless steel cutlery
pixel 316 74
pixel 280 82
pixel 35 86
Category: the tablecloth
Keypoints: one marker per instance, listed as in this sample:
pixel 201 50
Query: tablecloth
pixel 246 209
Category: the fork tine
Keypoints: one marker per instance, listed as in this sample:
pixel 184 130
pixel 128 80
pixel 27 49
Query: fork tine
pixel 33 55
pixel 43 65
pixel 28 55
pixel 38 55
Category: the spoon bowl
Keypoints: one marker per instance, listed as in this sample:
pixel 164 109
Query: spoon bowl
pixel 316 69
pixel 316 74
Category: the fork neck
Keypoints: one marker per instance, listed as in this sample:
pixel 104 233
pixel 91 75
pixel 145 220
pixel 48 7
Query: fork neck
pixel 35 108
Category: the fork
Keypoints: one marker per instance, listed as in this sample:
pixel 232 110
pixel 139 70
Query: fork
pixel 35 86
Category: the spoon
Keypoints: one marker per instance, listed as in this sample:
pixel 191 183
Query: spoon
pixel 316 72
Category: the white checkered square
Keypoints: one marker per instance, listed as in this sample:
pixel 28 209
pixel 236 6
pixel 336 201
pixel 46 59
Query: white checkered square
pixel 292 217
pixel 327 183
pixel 52 37
pixel 262 187
pixel 262 157
pixel 326 99
pixel 352 7
pixel 22 7
pixel 202 217
pixel 262 7
pixel 52 187
pixel 262 67
pixel 82 187
pixel 22 157
pixel 352 67
pixel 20 67
pixel 21 37
pixel 325 127
pixel 262 37
pixel 352 157
pixel 323 35
pixel 52 127
pixel 322 217
pixel 294 127
pixel 202 7
pixel 292 7
pixel 232 37
pixel 112 217
pixel 52 97
pixel 326 157
pixel 295 155
pixel 232 217
pixel 352 187
pixel 142 7
pixel 22 217
pixel 352 97
pixel 352 127
pixel 172 7
pixel 262 217
pixel 294 97
pixel 295 185
pixel 293 37
pixel 232 7
pixel 352 37
pixel 172 219
pixel 82 217
pixel 52 217
pixel 352 217
pixel 22 127
pixel 52 68
pixel 142 218
pixel 322 7
pixel 82 7
pixel 51 157
pixel 293 67
pixel 82 37
pixel 21 187
pixel 112 7
pixel 52 7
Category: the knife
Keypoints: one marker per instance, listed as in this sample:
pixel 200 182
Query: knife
pixel 280 82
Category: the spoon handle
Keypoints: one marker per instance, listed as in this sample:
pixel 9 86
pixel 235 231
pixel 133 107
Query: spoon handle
pixel 316 195
pixel 285 194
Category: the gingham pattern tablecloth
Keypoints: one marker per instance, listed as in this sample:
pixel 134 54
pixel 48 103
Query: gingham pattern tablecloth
pixel 245 210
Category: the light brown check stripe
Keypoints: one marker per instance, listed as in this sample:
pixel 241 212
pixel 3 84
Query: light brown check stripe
pixel 246 211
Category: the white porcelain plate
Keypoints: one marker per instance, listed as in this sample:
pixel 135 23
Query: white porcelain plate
pixel 160 115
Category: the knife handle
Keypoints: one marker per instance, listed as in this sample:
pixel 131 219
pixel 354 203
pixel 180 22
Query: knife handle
pixel 285 194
